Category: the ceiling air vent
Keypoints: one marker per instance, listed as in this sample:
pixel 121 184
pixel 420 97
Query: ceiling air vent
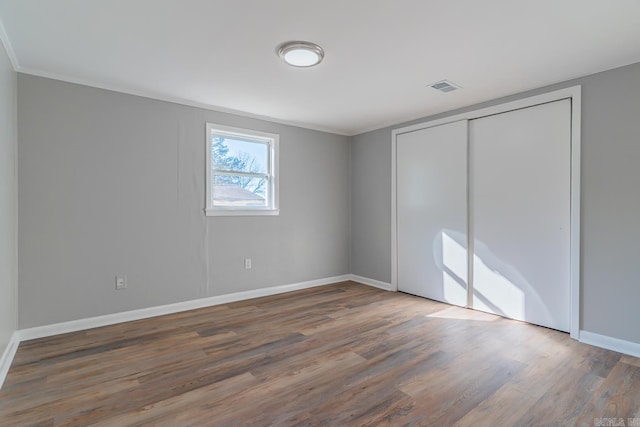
pixel 444 86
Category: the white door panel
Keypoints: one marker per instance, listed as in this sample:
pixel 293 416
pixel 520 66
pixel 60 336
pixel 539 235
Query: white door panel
pixel 431 191
pixel 520 187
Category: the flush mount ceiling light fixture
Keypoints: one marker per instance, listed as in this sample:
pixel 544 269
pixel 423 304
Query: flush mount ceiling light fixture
pixel 301 54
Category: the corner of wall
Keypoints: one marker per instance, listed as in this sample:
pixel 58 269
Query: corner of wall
pixel 350 198
pixel 9 204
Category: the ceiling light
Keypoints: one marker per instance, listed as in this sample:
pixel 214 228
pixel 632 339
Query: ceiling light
pixel 301 54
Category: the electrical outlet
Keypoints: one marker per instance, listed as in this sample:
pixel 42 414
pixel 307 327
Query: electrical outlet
pixel 247 263
pixel 121 282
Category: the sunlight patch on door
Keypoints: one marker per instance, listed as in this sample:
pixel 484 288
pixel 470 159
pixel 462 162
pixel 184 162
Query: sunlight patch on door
pixel 495 293
pixel 454 271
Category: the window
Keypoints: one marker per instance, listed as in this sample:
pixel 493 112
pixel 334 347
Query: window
pixel 241 172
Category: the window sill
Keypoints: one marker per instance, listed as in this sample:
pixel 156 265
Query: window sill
pixel 242 212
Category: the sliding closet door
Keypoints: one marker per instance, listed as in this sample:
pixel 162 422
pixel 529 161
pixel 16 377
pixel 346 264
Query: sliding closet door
pixel 520 213
pixel 431 191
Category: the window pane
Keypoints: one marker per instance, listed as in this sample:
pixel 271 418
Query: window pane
pixel 239 191
pixel 241 171
pixel 235 154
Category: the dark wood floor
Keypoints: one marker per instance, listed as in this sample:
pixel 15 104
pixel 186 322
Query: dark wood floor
pixel 344 354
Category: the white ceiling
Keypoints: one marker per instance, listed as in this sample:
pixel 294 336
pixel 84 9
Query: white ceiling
pixel 379 54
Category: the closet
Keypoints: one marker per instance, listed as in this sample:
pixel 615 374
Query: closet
pixel 483 211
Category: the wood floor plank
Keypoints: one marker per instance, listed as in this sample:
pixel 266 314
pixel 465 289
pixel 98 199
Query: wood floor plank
pixel 179 408
pixel 617 397
pixel 344 354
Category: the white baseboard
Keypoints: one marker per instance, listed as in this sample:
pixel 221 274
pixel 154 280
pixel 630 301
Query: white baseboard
pixel 7 356
pixel 610 343
pixel 144 313
pixel 371 282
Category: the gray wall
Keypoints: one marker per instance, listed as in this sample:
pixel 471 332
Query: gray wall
pixel 371 205
pixel 8 201
pixel 610 200
pixel 113 184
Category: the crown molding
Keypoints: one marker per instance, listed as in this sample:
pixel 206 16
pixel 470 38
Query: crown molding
pixel 4 38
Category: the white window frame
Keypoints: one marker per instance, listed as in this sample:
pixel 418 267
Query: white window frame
pixel 272 141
